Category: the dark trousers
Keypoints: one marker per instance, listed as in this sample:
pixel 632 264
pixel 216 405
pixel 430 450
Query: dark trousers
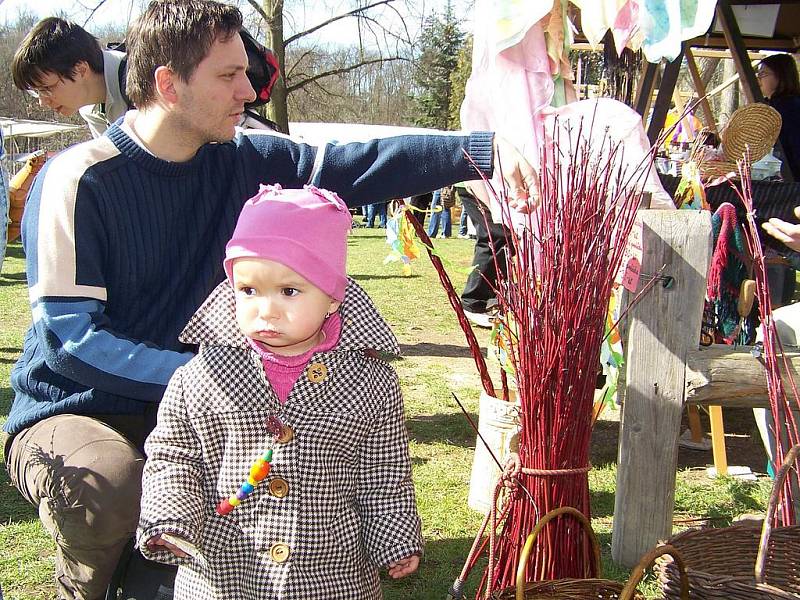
pixel 422 203
pixel 492 239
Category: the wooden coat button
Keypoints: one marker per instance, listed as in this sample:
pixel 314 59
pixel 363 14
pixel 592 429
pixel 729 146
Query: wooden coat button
pixel 317 372
pixel 279 552
pixel 278 487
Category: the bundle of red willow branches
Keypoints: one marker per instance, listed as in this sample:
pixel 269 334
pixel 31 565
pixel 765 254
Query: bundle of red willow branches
pixel 554 298
pixel 783 406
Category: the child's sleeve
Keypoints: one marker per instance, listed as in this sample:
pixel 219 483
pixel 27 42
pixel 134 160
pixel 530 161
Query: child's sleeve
pixel 391 524
pixel 172 482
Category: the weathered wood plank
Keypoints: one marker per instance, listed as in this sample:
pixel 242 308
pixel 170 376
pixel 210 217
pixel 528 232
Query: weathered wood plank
pixel 731 377
pixel 663 326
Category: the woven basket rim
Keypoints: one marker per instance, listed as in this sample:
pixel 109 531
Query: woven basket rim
pixel 752 126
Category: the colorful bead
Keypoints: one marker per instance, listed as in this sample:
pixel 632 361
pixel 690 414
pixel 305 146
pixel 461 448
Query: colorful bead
pixel 224 507
pixel 258 471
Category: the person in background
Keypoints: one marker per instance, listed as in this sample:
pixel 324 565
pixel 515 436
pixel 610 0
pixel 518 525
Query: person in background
pixel 778 80
pixel 442 202
pixel 478 298
pixel 421 204
pixel 64 67
pixel 376 209
pixel 281 343
pixel 780 85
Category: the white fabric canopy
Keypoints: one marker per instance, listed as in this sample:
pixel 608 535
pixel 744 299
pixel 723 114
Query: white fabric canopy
pixel 14 128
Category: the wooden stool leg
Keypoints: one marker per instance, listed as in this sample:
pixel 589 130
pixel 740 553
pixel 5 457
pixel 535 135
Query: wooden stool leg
pixel 718 440
pixel 695 427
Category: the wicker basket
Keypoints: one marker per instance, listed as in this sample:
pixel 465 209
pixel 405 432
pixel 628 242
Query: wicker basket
pixel 742 562
pixel 582 589
pixel 752 128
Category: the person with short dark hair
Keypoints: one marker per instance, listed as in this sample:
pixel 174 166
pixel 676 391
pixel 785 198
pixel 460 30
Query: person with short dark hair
pixel 63 65
pixel 124 239
pixel 780 85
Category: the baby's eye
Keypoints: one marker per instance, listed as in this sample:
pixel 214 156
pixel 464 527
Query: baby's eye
pixel 290 291
pixel 247 290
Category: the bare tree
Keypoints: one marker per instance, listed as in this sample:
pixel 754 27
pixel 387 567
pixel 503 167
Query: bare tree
pixel 377 44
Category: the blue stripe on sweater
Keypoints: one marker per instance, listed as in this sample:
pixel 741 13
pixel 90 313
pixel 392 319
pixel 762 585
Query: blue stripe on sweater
pixel 81 349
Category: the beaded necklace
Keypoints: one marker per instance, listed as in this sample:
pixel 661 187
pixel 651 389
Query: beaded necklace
pixel 258 471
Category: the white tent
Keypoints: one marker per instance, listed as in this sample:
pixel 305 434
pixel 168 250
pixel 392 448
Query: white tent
pixel 15 128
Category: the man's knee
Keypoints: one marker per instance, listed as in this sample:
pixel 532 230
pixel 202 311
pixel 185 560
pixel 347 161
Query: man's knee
pixel 85 478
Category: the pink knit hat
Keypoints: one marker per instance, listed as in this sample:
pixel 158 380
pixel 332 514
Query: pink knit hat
pixel 303 229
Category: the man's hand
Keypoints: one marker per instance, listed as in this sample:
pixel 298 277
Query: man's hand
pixel 522 180
pixel 403 567
pixel 787 233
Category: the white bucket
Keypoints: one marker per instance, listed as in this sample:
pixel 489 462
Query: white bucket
pixel 498 423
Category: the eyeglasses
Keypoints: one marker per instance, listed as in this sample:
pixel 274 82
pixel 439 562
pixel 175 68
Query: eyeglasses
pixel 44 91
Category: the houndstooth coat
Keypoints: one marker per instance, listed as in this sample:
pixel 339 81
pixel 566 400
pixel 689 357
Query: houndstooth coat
pixel 338 503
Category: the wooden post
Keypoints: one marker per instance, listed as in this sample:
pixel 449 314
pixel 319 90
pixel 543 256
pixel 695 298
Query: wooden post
pixel 663 326
pixel 665 89
pixel 701 92
pixel 644 91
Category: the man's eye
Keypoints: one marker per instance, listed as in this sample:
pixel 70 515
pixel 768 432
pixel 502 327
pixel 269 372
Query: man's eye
pixel 289 291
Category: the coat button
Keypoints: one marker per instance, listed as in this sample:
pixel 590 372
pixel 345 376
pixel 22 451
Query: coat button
pixel 317 372
pixel 279 552
pixel 279 488
pixel 285 436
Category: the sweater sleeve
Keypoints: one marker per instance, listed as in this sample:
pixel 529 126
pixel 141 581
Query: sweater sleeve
pixel 172 483
pixel 65 246
pixel 391 524
pixel 387 168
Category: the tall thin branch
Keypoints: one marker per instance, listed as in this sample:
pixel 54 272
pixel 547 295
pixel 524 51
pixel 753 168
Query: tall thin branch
pixel 257 7
pixel 354 12
pixel 341 70
pixel 91 10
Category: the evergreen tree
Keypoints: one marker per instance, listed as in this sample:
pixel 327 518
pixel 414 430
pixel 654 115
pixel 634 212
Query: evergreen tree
pixel 458 83
pixel 441 42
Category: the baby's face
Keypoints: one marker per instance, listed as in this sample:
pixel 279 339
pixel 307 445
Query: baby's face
pixel 278 307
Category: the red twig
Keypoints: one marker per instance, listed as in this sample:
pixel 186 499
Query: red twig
pixel 455 302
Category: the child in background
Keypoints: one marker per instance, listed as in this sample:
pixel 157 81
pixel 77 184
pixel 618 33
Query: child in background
pixel 279 467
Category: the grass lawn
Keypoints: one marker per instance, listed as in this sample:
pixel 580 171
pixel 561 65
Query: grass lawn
pixel 436 363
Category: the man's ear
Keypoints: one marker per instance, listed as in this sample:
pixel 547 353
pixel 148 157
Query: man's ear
pixel 165 84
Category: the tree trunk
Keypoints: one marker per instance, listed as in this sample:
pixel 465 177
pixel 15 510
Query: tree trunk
pixel 277 108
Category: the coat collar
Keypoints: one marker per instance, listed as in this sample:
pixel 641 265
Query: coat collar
pixel 363 328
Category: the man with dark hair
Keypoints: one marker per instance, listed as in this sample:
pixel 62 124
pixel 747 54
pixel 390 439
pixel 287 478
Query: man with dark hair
pixel 124 239
pixel 63 65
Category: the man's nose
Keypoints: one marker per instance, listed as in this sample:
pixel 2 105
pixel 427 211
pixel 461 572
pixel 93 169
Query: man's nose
pixel 245 91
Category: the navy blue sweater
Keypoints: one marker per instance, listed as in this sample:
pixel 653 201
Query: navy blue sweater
pixel 123 247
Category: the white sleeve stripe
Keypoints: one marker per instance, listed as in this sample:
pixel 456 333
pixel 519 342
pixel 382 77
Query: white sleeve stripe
pixel 318 159
pixel 56 259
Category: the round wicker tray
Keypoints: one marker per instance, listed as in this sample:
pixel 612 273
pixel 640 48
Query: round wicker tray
pixel 753 126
